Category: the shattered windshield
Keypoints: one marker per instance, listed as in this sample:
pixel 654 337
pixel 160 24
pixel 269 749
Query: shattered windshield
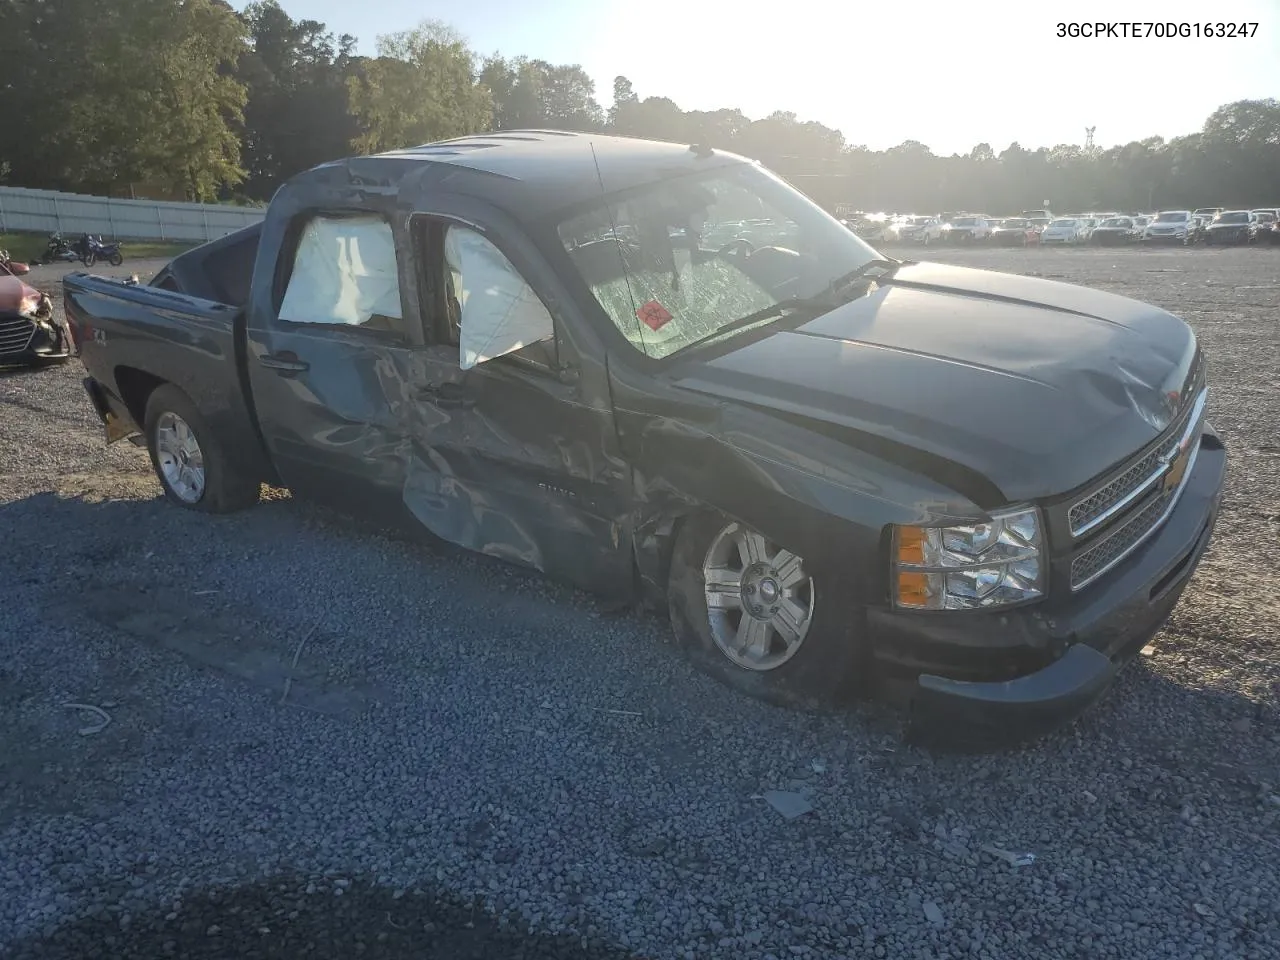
pixel 674 262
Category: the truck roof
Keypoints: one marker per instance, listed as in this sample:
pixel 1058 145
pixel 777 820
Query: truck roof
pixel 532 172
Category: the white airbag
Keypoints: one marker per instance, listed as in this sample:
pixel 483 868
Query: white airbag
pixel 344 272
pixel 500 312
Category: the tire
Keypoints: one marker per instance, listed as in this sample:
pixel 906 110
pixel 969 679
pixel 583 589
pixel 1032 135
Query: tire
pixel 170 418
pixel 89 259
pixel 116 260
pixel 821 666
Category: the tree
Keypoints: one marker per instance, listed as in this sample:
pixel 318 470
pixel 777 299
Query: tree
pixel 533 93
pixel 143 92
pixel 296 77
pixel 421 87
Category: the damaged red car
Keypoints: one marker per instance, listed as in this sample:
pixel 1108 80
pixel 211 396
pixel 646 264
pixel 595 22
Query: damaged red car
pixel 29 331
pixel 658 371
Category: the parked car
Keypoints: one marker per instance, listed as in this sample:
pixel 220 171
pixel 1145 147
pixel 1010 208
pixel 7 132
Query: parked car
pixel 827 466
pixel 874 229
pixel 966 230
pixel 1062 232
pixel 1197 229
pixel 1209 212
pixel 29 331
pixel 1169 226
pixel 1115 230
pixel 1015 232
pixel 1268 225
pixel 921 230
pixel 1231 227
pixel 12 267
pixel 1045 215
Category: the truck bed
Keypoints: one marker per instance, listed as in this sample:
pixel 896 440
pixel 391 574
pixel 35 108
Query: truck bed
pixel 133 338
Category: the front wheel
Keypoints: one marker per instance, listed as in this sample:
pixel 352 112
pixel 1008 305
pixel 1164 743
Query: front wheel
pixel 188 459
pixel 89 259
pixel 752 614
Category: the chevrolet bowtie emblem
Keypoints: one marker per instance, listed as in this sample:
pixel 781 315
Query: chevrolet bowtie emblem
pixel 1177 467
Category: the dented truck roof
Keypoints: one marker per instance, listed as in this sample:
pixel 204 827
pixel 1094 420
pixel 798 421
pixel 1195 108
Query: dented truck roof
pixel 529 173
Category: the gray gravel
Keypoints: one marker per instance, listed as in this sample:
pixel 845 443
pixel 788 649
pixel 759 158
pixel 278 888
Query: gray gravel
pixel 459 770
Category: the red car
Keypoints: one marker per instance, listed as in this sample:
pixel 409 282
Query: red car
pixel 12 267
pixel 29 332
pixel 1015 232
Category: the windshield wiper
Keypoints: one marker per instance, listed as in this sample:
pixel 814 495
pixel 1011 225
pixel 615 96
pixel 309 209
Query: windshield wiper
pixel 818 305
pixel 890 267
pixel 825 302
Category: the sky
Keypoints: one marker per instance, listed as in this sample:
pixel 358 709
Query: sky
pixel 948 74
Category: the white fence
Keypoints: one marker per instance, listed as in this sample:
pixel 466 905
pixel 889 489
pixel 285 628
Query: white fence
pixel 47 211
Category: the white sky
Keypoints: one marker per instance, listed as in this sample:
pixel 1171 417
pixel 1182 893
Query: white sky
pixel 950 74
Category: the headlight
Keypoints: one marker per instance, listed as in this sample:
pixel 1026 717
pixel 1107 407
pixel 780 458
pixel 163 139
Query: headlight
pixel 976 567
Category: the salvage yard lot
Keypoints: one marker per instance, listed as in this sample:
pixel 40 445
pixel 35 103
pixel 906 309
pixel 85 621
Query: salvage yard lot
pixel 321 734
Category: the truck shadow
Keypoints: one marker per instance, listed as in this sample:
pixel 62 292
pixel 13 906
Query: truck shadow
pixel 294 916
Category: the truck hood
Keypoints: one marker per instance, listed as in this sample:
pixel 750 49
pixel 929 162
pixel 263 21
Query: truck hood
pixel 1033 385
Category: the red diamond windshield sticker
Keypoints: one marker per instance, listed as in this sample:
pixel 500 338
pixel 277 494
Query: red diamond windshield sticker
pixel 654 315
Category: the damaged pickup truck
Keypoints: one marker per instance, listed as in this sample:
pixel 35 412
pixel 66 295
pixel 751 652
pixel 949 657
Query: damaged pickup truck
pixel 827 466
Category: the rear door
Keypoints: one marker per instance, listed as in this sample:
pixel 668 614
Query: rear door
pixel 330 362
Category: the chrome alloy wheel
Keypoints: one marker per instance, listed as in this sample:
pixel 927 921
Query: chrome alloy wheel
pixel 759 598
pixel 180 458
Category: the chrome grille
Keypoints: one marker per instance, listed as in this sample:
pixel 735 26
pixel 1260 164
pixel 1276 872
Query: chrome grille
pixel 1115 546
pixel 1151 508
pixel 1120 492
pixel 1114 496
pixel 15 334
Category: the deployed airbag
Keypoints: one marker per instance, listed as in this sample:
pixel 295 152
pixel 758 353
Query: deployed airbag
pixel 500 312
pixel 344 272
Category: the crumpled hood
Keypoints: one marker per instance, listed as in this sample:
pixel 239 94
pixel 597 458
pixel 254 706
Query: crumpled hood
pixel 12 292
pixel 1035 385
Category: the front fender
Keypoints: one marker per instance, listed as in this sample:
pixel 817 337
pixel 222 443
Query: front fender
pixel 822 498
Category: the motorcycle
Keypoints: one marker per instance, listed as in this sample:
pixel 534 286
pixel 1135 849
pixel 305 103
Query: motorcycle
pixel 12 267
pixel 60 251
pixel 103 251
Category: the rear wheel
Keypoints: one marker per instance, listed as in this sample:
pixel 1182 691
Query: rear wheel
pixel 116 259
pixel 752 614
pixel 188 459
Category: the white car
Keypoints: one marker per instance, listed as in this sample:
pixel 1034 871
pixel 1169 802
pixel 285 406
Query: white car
pixel 1169 226
pixel 924 230
pixel 966 230
pixel 1063 231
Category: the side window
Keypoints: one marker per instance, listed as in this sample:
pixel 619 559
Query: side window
pixel 344 273
pixel 492 309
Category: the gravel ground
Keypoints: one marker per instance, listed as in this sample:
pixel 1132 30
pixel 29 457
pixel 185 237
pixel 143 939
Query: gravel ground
pixel 472 762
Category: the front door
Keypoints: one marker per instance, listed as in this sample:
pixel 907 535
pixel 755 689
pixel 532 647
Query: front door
pixel 329 365
pixel 514 450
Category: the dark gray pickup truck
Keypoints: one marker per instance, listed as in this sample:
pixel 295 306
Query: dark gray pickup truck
pixel 658 372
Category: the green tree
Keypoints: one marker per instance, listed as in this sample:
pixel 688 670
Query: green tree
pixel 421 87
pixel 296 116
pixel 534 93
pixel 142 92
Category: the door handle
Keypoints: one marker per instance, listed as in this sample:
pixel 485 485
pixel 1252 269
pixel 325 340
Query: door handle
pixel 448 394
pixel 286 362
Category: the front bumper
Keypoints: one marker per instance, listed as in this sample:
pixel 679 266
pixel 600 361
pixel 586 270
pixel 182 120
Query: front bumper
pixel 1164 238
pixel 27 340
pixel 1049 669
